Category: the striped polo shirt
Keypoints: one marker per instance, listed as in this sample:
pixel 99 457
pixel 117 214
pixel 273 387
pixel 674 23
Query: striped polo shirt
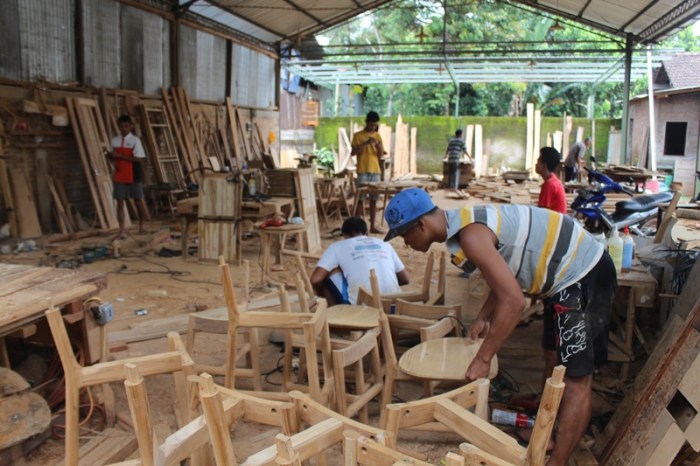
pixel 545 250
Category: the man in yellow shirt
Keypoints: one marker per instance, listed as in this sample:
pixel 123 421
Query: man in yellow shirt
pixel 368 147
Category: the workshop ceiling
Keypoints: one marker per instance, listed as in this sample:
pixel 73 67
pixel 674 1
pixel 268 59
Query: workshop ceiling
pixel 274 21
pixel 294 22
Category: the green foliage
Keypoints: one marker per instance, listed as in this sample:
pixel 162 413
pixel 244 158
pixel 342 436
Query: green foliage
pixel 473 25
pixel 324 158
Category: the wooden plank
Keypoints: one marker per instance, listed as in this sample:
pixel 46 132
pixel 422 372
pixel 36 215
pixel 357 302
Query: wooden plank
pixel 306 196
pixel 658 379
pixel 111 446
pixel 8 197
pixel 233 128
pixel 247 153
pixel 25 209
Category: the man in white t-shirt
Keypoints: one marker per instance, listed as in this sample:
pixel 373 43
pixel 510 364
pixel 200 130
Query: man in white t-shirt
pixel 345 265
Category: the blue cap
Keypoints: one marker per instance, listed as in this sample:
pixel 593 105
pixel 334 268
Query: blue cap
pixel 405 209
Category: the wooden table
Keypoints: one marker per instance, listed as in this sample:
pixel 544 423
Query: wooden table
pixel 275 237
pixel 26 292
pixel 352 317
pixel 443 359
pixel 640 287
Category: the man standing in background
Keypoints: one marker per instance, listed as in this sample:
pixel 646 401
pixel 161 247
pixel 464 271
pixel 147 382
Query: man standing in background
pixel 128 155
pixel 552 195
pixel 455 149
pixel 575 160
pixel 367 145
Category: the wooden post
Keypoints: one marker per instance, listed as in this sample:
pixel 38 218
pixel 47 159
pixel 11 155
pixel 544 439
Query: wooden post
pixel 529 133
pixel 213 408
pixel 233 319
pixel 140 413
pixel 546 415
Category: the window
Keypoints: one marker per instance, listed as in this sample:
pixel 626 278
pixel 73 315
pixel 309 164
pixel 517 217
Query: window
pixel 674 142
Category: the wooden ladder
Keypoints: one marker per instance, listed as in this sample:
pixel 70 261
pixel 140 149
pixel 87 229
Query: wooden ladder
pixel 162 147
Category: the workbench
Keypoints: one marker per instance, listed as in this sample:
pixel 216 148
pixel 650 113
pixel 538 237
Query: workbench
pixel 26 292
pixel 640 289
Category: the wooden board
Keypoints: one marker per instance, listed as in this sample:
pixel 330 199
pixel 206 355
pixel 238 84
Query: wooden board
pixel 92 140
pixel 25 291
pixel 306 198
pixel 657 383
pixel 27 219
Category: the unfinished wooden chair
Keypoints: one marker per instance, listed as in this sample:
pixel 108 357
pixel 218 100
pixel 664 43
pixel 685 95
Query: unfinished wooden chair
pixel 368 382
pixel 471 398
pixel 392 371
pixel 320 429
pixel 175 361
pixel 313 338
pixel 248 351
pixel 362 451
pixel 491 446
pixel 422 295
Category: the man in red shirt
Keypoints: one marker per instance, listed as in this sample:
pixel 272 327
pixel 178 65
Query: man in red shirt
pixel 128 155
pixel 552 194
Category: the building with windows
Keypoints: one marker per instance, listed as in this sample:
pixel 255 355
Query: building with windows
pixel 677 116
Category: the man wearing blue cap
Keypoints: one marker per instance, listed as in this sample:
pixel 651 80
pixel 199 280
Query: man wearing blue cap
pixel 543 253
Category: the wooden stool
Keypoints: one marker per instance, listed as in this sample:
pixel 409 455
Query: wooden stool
pixel 279 235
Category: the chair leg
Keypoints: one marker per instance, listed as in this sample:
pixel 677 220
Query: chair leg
pixel 72 407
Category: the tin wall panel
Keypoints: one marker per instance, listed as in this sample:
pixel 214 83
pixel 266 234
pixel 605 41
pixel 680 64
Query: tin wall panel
pixel 144 51
pixel 100 21
pixel 10 56
pixel 47 39
pixel 202 61
pixel 253 80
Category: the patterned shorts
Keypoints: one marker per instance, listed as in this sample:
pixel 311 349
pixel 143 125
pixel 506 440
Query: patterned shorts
pixel 577 320
pixel 364 178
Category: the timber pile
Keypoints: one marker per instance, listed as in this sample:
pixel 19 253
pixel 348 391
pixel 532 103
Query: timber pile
pixel 660 415
pixel 44 129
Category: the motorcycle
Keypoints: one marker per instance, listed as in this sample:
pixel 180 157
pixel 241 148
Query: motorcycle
pixel 633 213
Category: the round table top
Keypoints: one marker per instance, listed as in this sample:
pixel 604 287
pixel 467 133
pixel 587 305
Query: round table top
pixel 352 316
pixel 443 359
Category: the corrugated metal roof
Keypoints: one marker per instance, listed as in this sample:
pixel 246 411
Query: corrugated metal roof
pixel 274 21
pixel 682 70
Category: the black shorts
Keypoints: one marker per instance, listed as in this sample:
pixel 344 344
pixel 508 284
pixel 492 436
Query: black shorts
pixel 577 320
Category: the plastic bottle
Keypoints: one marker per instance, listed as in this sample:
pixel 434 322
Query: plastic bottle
pixel 615 249
pixel 627 250
pixel 509 418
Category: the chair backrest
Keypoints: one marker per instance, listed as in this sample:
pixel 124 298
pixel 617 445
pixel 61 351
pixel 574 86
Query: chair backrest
pixel 367 385
pixel 175 361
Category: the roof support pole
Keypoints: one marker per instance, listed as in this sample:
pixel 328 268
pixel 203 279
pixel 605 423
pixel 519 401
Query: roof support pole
pixel 629 45
pixel 652 114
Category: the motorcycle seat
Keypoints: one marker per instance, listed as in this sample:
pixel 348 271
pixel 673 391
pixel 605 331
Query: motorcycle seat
pixel 641 203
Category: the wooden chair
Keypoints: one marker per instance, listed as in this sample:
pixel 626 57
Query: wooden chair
pixel 493 447
pixel 368 385
pixel 313 337
pixel 175 361
pixel 360 451
pixel 248 351
pixel 392 371
pixel 429 321
pixel 222 407
pixel 424 414
pixel 422 295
